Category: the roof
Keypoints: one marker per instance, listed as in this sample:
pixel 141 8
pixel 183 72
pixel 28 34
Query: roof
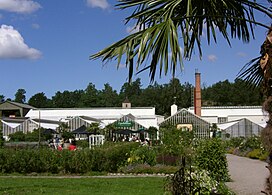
pixel 186 111
pixel 90 118
pixel 81 130
pixel 20 105
pixel 15 119
pixel 126 100
pixel 224 126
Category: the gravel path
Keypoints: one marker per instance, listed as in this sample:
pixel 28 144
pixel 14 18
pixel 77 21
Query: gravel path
pixel 247 175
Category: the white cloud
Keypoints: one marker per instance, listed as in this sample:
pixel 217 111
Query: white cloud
pixel 19 6
pixel 241 54
pixel 35 26
pixel 12 45
pixel 212 58
pixel 103 4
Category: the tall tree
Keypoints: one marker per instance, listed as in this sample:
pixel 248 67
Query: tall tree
pixel 132 91
pixel 108 97
pixel 259 72
pixel 89 98
pixel 39 100
pixel 20 96
pixel 2 98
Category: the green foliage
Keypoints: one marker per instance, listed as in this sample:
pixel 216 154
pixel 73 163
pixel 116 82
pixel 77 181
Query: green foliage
pixel 156 95
pixel 167 26
pixel 66 135
pixel 190 180
pixel 30 136
pixel 225 93
pixel 142 155
pixel 258 154
pixel 17 136
pixel 2 140
pixel 39 100
pixel 254 154
pixel 101 159
pixel 210 155
pixel 235 142
pixel 176 142
pixel 250 143
pixel 20 96
pixel 82 144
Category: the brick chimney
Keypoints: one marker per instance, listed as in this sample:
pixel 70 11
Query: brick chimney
pixel 197 100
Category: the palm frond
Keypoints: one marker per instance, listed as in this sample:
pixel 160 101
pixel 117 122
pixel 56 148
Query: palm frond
pixel 252 73
pixel 168 25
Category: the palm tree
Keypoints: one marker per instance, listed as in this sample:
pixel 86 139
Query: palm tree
pixel 166 26
pixel 258 72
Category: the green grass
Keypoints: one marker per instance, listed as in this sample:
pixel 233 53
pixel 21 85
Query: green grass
pixel 33 186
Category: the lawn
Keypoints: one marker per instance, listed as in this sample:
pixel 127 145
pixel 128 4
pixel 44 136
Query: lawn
pixel 33 186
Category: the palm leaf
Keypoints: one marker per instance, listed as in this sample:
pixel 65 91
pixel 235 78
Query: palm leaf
pixel 161 22
pixel 252 73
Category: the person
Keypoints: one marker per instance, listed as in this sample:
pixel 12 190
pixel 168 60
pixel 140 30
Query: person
pixel 56 142
pixel 59 147
pixel 72 146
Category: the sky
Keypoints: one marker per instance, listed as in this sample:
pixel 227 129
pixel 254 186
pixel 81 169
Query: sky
pixel 45 47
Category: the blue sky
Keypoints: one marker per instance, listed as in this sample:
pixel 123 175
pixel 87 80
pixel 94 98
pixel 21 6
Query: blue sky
pixel 45 47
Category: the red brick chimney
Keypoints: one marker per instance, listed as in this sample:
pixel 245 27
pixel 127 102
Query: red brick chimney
pixel 197 100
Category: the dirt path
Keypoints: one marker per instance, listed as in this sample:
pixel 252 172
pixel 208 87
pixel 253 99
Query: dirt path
pixel 248 176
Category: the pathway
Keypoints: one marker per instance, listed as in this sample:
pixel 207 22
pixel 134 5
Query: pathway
pixel 248 175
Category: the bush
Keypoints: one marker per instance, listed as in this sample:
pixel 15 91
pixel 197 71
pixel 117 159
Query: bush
pixel 142 155
pixel 258 154
pixel 82 143
pixel 254 154
pixel 211 156
pixel 175 141
pixel 17 136
pixel 251 143
pixel 190 180
pixel 45 160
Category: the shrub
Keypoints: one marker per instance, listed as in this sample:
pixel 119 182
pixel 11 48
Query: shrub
pixel 190 180
pixel 115 154
pixel 143 154
pixel 210 156
pixel 175 141
pixel 41 160
pixel 258 154
pixel 251 143
pixel 17 136
pixel 82 144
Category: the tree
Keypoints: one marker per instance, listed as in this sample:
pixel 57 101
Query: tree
pixel 132 91
pixel 2 98
pixel 89 96
pixel 108 97
pixel 161 23
pixel 94 128
pixel 39 100
pixel 66 134
pixel 259 73
pixel 20 96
